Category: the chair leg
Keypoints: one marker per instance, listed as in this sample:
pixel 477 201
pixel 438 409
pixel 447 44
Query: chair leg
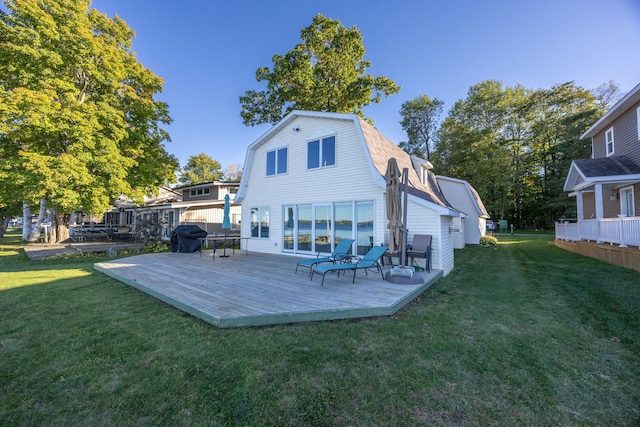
pixel 354 275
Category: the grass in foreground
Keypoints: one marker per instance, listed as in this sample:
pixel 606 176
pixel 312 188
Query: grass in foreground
pixel 518 334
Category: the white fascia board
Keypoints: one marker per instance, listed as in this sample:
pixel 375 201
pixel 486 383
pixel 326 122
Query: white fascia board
pixel 621 106
pixel 248 160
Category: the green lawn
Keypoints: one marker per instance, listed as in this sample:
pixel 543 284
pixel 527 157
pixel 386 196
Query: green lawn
pixel 522 334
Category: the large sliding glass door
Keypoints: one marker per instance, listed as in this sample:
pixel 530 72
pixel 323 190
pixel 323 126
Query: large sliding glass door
pixel 343 220
pixel 304 224
pixel 364 236
pixel 320 227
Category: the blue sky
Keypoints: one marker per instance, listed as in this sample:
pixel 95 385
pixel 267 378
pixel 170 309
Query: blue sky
pixel 208 51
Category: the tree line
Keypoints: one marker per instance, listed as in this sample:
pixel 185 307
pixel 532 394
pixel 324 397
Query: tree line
pixel 513 144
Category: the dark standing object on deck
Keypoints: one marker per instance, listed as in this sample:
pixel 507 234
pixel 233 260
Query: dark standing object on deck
pixel 184 238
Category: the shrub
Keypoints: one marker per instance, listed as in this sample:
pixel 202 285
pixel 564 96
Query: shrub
pixel 488 241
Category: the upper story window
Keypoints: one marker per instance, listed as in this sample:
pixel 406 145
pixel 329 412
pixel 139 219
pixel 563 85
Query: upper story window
pixel 277 161
pixel 638 121
pixel 321 153
pixel 199 192
pixel 608 139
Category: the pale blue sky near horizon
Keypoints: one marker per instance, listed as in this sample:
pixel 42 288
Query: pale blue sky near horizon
pixel 208 51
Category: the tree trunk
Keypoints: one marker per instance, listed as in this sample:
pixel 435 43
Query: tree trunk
pixel 26 221
pixel 59 227
pixel 5 220
pixel 35 233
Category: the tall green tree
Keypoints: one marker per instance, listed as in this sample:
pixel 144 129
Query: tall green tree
pixel 560 115
pixel 79 122
pixel 515 146
pixel 470 145
pixel 420 120
pixel 199 169
pixel 326 72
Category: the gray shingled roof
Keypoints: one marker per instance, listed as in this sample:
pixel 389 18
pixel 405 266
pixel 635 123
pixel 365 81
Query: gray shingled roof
pixel 382 149
pixel 607 166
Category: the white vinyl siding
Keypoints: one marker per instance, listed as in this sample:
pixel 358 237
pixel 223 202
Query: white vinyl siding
pixel 351 180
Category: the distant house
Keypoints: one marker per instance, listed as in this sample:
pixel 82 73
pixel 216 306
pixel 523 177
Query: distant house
pixel 471 226
pixel 607 186
pixel 317 177
pixel 202 205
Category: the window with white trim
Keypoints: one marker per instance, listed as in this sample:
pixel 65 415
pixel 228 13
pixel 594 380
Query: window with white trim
pixel 627 201
pixel 277 161
pixel 260 222
pixel 199 192
pixel 608 139
pixel 321 153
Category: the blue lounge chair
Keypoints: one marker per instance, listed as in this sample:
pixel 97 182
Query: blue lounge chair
pixel 342 248
pixel 370 260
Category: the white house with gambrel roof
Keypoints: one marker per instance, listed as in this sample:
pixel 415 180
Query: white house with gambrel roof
pixel 316 177
pixel 471 226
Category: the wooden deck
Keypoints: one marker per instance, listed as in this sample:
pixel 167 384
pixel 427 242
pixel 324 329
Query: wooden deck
pixel 259 289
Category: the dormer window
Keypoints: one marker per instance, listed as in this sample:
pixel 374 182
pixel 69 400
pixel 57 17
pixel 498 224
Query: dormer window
pixel 608 138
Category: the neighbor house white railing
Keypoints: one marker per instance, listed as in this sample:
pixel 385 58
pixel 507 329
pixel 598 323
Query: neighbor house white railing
pixel 623 231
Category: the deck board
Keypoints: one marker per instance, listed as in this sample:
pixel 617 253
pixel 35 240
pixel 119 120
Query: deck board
pixel 259 289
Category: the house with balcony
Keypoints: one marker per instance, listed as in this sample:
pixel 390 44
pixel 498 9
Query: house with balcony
pixel 607 185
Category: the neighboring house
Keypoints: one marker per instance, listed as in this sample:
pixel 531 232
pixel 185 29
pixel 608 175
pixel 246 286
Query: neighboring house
pixel 316 177
pixel 472 226
pixel 203 205
pixel 607 186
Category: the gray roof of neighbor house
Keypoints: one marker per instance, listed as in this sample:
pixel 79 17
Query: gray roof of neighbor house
pixel 586 172
pixel 607 166
pixel 628 101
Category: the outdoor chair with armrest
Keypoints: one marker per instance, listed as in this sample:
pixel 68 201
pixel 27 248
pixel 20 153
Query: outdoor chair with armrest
pixel 342 248
pixel 370 260
pixel 420 248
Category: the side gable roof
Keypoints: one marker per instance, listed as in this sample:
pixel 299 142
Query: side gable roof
pixel 616 111
pixel 586 172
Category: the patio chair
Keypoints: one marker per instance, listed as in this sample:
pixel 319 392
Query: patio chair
pixel 342 248
pixel 371 260
pixel 420 248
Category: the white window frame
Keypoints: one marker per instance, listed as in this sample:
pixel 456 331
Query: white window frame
pixel 606 142
pixel 320 148
pixel 263 212
pixel 624 201
pixel 277 154
pixel 199 192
